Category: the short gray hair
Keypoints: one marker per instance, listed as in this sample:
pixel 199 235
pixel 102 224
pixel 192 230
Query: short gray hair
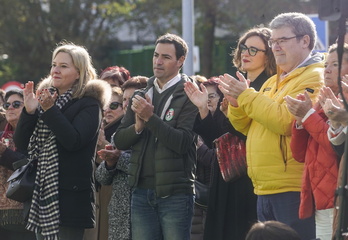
pixel 300 24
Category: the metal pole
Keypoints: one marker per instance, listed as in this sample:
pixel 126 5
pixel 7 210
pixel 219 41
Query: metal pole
pixel 188 34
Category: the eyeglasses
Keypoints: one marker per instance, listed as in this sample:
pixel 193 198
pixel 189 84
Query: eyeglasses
pixel 251 50
pixel 212 96
pixel 281 41
pixel 114 105
pixel 15 104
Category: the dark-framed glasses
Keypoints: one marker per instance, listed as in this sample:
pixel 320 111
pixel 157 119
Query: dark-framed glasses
pixel 281 41
pixel 15 104
pixel 114 105
pixel 251 50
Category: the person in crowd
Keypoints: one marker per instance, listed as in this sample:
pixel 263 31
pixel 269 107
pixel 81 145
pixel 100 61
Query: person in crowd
pixel 332 106
pixel 3 121
pixel 136 82
pixel 158 127
pixel 113 114
pixel 232 205
pixel 264 118
pixel 114 171
pixel 310 144
pixel 116 76
pixel 203 177
pixel 12 225
pixel 338 116
pixel 272 230
pixel 254 57
pixel 59 127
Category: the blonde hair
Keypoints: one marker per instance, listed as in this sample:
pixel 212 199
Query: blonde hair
pixel 82 62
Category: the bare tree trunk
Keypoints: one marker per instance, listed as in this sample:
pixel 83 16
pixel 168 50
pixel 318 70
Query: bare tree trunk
pixel 208 37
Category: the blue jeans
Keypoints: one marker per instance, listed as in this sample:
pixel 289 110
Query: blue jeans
pixel 283 207
pixel 155 218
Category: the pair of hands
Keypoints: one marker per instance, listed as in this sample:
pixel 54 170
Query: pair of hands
pixel 143 109
pixel 299 106
pixel 42 97
pixel 332 105
pixel 229 86
pixel 110 155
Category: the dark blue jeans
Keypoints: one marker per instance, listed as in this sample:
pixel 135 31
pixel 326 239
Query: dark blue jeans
pixel 283 207
pixel 161 218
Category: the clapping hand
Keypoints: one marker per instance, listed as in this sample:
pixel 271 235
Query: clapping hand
pixel 30 101
pixel 231 87
pixel 300 106
pixel 110 156
pixel 198 98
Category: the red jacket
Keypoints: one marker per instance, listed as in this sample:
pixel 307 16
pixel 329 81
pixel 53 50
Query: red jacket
pixel 319 181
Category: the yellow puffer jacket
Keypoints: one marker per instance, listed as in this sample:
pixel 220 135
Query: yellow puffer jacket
pixel 264 118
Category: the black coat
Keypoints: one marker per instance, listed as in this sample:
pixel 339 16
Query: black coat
pixel 232 205
pixel 76 142
pixel 76 128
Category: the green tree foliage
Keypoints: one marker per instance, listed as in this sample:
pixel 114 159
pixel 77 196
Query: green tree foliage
pixel 233 17
pixel 30 29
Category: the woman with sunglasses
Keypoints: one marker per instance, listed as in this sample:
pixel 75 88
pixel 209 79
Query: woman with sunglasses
pixel 112 171
pixel 113 114
pixel 232 205
pixel 11 212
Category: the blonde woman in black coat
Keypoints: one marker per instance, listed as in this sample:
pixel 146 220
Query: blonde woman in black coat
pixel 59 126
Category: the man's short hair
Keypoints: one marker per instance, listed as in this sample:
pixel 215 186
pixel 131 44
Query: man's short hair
pixel 181 47
pixel 300 24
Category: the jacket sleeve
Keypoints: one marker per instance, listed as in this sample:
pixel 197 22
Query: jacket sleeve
pixel 9 157
pixel 317 127
pixel 103 175
pixel 337 140
pixel 205 155
pixel 239 119
pixel 298 143
pixel 200 127
pixel 25 128
pixel 125 136
pixel 74 134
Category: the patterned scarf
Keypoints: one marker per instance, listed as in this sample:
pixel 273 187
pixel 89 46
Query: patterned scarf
pixel 44 210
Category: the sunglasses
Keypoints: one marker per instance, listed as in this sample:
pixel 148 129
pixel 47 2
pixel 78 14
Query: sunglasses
pixel 15 104
pixel 114 105
pixel 251 50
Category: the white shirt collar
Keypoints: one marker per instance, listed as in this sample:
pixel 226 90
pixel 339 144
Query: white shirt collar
pixel 170 83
